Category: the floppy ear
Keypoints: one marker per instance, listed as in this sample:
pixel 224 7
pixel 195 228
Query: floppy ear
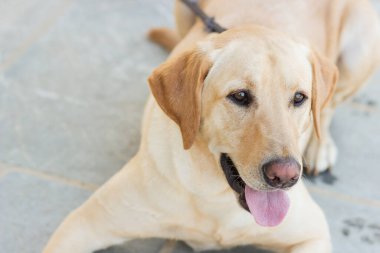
pixel 325 76
pixel 177 86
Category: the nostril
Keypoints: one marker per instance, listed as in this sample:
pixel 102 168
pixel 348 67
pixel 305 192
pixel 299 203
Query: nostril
pixel 276 180
pixel 295 178
pixel 281 173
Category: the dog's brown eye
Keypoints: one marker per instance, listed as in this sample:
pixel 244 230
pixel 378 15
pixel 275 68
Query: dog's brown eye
pixel 299 99
pixel 241 97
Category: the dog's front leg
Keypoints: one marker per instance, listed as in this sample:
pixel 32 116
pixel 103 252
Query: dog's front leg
pixel 79 234
pixel 321 153
pixel 118 211
pixel 318 245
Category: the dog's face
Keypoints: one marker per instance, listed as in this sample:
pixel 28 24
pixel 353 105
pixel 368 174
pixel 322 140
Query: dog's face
pixel 256 103
pixel 249 94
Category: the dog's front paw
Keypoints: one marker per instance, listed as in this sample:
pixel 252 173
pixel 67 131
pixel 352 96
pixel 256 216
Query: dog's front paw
pixel 320 155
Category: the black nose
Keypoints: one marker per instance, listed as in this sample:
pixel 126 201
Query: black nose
pixel 282 172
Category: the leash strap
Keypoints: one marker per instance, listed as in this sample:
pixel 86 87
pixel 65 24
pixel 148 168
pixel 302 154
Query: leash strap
pixel 209 22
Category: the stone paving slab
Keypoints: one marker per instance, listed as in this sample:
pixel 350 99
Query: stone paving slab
pixel 31 209
pixel 354 228
pixel 72 105
pixel 21 20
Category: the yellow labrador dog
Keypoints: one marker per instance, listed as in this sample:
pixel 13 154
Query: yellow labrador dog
pixel 225 131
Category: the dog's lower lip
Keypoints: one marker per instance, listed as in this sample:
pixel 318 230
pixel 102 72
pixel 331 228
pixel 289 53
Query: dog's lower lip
pixel 233 178
pixel 243 201
pixel 231 173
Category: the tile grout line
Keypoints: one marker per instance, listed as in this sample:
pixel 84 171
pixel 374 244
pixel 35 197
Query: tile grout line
pixel 3 172
pixel 49 177
pixel 344 197
pixel 17 53
pixel 362 107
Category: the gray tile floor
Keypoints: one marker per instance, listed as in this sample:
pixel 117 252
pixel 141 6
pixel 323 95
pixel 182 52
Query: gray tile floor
pixel 72 90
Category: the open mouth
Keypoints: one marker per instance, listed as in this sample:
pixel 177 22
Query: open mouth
pixel 234 179
pixel 268 208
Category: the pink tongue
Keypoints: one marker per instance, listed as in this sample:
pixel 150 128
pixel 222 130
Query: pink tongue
pixel 268 208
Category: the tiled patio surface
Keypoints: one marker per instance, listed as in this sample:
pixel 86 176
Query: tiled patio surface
pixel 72 91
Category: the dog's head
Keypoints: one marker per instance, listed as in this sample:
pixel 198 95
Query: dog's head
pixel 249 94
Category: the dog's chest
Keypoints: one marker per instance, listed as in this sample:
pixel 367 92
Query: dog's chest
pixel 210 225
